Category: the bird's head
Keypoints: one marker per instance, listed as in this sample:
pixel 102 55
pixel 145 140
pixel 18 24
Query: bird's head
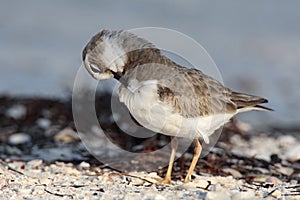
pixel 106 54
pixel 103 56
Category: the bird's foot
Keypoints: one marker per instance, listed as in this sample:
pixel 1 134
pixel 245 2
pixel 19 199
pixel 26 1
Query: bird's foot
pixel 187 179
pixel 166 181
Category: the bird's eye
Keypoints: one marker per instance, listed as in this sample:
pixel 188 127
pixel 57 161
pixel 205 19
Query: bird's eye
pixel 94 68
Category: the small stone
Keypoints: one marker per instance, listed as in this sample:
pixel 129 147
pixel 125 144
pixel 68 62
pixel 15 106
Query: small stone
pixel 261 170
pixel 24 191
pixel 151 177
pixel 260 194
pixel 233 172
pixel 201 183
pixel 38 190
pixel 84 165
pixel 107 179
pixel 286 141
pixel 43 123
pixel 188 155
pixel 159 197
pixel 247 195
pixel 276 194
pixel 45 180
pixel 19 138
pixel 3 183
pixel 260 178
pixel 263 156
pixel 284 170
pixel 16 165
pixel 220 195
pixel 137 181
pixel 274 180
pixel 16 111
pixel 34 163
pixel 138 147
pixel 293 153
pixel 294 182
pixel 66 135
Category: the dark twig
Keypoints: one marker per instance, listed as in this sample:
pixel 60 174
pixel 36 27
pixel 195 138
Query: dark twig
pixel 57 194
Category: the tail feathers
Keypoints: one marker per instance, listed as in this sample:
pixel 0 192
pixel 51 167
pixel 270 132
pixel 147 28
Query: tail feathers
pixel 259 107
pixel 246 102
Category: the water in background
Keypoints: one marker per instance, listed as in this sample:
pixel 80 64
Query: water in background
pixel 255 44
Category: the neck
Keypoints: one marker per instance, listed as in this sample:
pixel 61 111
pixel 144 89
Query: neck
pixel 145 56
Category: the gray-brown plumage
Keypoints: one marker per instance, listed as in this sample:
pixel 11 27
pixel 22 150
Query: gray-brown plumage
pixel 188 100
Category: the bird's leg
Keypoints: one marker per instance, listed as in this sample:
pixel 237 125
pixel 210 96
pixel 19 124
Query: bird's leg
pixel 174 144
pixel 197 152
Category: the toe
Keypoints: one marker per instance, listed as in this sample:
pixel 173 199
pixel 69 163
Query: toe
pixel 166 182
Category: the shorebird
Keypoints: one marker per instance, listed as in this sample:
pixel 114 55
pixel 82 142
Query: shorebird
pixel 162 95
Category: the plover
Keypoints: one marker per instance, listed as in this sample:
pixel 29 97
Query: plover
pixel 162 95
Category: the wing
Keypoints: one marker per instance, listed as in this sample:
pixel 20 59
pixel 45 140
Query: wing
pixel 188 92
pixel 192 94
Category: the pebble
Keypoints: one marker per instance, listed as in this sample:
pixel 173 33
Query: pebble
pixel 16 111
pixel 159 197
pixel 188 186
pixel 293 153
pixel 106 179
pixel 284 170
pixel 263 147
pixel 261 170
pixel 138 147
pixel 276 194
pixel 45 180
pixel 66 135
pixel 19 138
pixel 34 163
pixel 286 141
pixel 233 172
pixel 274 180
pixel 38 190
pixel 84 165
pixel 260 178
pixel 151 177
pixel 137 181
pixel 220 195
pixel 247 195
pixel 3 183
pixel 43 123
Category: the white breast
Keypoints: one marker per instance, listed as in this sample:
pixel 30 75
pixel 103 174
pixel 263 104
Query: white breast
pixel 142 100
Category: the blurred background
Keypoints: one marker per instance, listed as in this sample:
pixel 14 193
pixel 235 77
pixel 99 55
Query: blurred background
pixel 255 44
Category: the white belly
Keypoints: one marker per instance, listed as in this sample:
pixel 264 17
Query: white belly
pixel 143 103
